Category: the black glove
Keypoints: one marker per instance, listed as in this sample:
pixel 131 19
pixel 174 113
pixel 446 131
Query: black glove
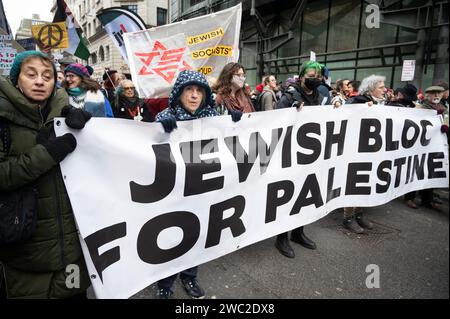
pixel 236 115
pixel 57 147
pixel 75 118
pixel 169 123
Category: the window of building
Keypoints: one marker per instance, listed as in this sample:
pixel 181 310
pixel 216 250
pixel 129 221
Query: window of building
pixel 189 3
pixel 89 30
pixel 107 53
pixel 131 7
pixel 161 16
pixel 93 58
pixel 101 53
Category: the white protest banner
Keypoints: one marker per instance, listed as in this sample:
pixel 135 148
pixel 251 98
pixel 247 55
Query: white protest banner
pixel 409 67
pixel 205 44
pixel 150 204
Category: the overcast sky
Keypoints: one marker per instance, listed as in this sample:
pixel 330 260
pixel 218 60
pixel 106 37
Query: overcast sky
pixel 16 10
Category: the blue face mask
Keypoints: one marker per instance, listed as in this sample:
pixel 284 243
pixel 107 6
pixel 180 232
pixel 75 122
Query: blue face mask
pixel 74 91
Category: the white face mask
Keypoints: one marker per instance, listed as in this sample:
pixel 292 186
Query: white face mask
pixel 436 100
pixel 238 81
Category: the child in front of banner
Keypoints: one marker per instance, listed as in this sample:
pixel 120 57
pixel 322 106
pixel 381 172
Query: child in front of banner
pixel 190 99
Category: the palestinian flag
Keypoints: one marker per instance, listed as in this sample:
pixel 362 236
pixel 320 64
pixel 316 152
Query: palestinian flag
pixel 77 44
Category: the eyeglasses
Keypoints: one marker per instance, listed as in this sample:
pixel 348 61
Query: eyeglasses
pixel 129 88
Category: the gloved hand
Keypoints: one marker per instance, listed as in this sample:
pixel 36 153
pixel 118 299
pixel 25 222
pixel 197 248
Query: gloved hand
pixel 236 115
pixel 298 105
pixel 169 123
pixel 58 147
pixel 444 129
pixel 75 118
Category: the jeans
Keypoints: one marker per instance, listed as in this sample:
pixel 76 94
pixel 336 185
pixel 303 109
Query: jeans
pixel 188 274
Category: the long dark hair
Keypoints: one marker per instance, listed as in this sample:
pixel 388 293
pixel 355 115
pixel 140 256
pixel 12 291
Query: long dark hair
pixel 223 84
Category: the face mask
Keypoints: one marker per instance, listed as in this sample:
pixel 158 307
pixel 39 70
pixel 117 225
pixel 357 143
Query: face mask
pixel 312 83
pixel 436 100
pixel 238 81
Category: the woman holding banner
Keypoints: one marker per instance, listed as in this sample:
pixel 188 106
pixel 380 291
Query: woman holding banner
pixel 48 261
pixel 190 99
pixel 128 105
pixel 231 94
pixel 373 92
pixel 84 93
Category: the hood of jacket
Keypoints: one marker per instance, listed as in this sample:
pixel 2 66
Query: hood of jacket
pixel 189 77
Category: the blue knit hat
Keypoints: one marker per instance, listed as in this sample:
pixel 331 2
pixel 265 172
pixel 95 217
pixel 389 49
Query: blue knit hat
pixel 17 64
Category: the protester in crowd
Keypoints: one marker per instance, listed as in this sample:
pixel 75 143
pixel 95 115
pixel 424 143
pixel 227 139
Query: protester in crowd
pixel 445 95
pixel 406 97
pixel 342 92
pixel 254 95
pixel 129 105
pixel 433 96
pixel 230 91
pixel 303 93
pixel 268 98
pixel 191 98
pixel 286 84
pixel 389 96
pixel 324 88
pixel 353 87
pixel 372 91
pixel 59 79
pixel 84 92
pixel 110 82
pixel 29 157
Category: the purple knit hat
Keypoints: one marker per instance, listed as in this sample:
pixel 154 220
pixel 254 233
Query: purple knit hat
pixel 78 69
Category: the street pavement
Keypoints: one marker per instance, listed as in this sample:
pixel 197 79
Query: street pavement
pixel 409 247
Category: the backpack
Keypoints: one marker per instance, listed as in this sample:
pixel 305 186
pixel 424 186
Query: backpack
pixel 290 98
pixel 257 103
pixel 18 208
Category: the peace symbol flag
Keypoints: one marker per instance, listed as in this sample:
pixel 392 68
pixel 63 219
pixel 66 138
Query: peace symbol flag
pixel 53 35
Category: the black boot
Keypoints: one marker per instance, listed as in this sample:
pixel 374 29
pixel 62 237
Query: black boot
pixel 299 237
pixel 364 223
pixel 283 246
pixel 351 224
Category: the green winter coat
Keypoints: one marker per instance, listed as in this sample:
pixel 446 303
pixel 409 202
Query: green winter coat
pixel 37 267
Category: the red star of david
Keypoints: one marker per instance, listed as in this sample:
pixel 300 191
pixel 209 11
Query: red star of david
pixel 169 62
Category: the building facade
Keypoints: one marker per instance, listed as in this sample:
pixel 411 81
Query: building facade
pixel 354 38
pixel 24 30
pixel 104 53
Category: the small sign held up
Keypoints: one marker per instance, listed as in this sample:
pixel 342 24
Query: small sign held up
pixel 408 69
pixel 312 56
pixel 53 35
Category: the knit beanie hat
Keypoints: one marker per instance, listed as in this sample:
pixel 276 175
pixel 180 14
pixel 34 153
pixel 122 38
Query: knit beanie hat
pixel 17 64
pixel 78 69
